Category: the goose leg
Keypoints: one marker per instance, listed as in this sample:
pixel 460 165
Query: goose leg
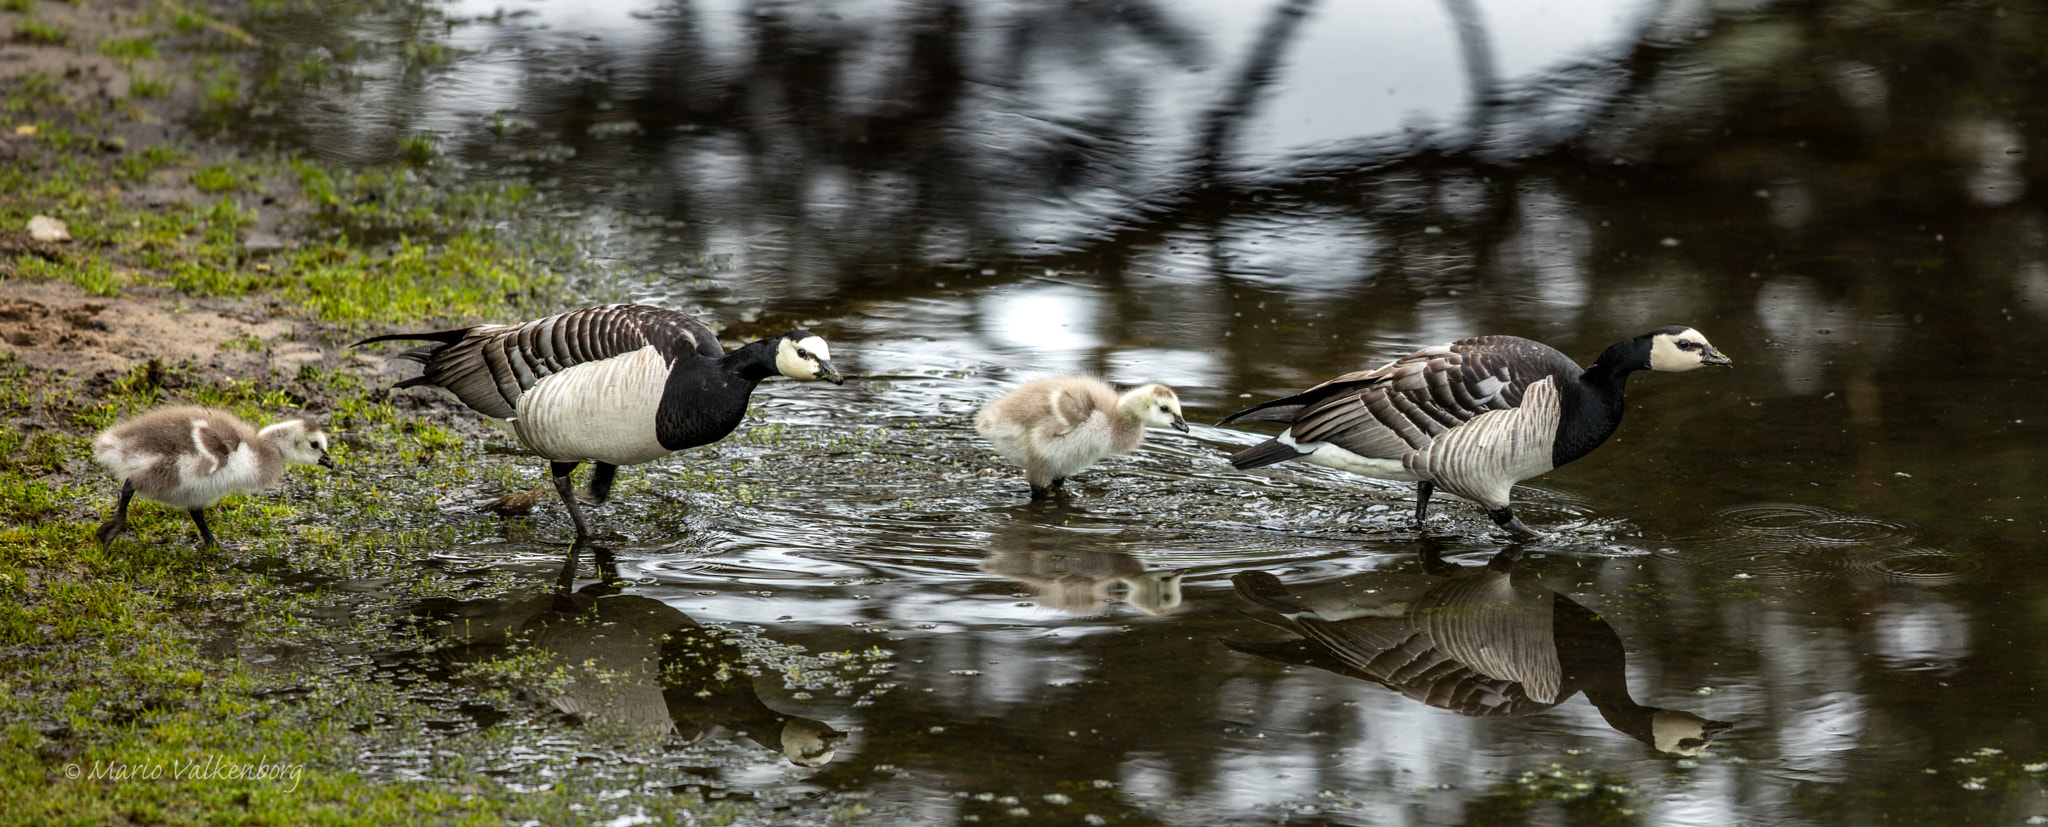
pixel 119 522
pixel 1422 491
pixel 601 474
pixel 205 534
pixel 1504 517
pixel 561 472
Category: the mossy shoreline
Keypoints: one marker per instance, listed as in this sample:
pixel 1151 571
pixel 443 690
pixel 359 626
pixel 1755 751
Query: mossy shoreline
pixel 207 273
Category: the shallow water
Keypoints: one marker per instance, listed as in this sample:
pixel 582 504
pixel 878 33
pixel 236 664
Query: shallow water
pixel 1830 547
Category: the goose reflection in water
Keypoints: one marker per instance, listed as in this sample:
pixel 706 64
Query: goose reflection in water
pixel 1478 643
pixel 627 666
pixel 1081 580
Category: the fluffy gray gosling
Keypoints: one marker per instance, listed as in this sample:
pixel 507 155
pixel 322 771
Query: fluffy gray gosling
pixel 192 457
pixel 1058 427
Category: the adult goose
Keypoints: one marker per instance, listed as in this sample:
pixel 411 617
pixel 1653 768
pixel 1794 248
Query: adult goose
pixel 1478 643
pixel 620 384
pixel 191 457
pixel 1474 416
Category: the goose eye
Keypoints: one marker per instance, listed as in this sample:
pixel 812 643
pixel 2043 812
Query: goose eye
pixel 1162 409
pixel 802 353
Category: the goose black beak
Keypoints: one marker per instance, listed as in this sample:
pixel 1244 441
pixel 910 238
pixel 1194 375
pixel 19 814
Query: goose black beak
pixel 830 374
pixel 326 461
pixel 1716 357
pixel 1180 424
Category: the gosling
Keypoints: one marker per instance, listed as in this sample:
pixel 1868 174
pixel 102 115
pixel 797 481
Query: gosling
pixel 192 457
pixel 1058 427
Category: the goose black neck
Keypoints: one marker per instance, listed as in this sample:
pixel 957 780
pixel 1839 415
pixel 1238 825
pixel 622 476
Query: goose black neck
pixel 705 399
pixel 1592 404
pixel 753 361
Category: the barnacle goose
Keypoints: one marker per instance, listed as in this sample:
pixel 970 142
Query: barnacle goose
pixel 191 457
pixel 1478 643
pixel 620 384
pixel 1059 426
pixel 1474 416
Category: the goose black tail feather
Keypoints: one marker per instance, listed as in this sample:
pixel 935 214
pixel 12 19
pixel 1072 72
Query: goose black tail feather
pixel 440 338
pixel 1263 454
pixel 446 337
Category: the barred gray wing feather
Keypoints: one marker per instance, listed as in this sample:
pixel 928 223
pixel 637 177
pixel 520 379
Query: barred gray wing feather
pixel 491 365
pixel 1406 404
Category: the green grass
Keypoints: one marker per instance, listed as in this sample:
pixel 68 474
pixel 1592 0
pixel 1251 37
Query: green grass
pixel 127 50
pixel 107 700
pixel 33 91
pixel 144 86
pixel 387 251
pixel 217 178
pixel 23 6
pixel 37 31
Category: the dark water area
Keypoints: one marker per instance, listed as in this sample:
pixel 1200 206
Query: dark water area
pixel 1831 548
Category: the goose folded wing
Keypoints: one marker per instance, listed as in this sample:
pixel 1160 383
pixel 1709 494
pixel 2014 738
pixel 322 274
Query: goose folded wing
pixel 1402 407
pixel 493 364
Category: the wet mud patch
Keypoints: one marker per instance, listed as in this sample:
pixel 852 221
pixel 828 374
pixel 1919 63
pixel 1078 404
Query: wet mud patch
pixel 57 326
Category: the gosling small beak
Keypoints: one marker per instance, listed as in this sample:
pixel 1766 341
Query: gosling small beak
pixel 1180 424
pixel 1716 357
pixel 326 461
pixel 829 374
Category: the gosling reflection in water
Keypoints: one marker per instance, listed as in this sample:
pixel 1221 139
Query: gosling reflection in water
pixel 1080 581
pixel 627 666
pixel 1478 644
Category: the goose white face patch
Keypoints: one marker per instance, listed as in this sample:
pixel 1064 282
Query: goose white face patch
pixel 1678 352
pixel 800 359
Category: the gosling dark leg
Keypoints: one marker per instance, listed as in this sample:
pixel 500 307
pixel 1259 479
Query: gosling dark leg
pixel 1422 491
pixel 601 475
pixel 561 472
pixel 1050 488
pixel 205 534
pixel 1504 517
pixel 119 522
